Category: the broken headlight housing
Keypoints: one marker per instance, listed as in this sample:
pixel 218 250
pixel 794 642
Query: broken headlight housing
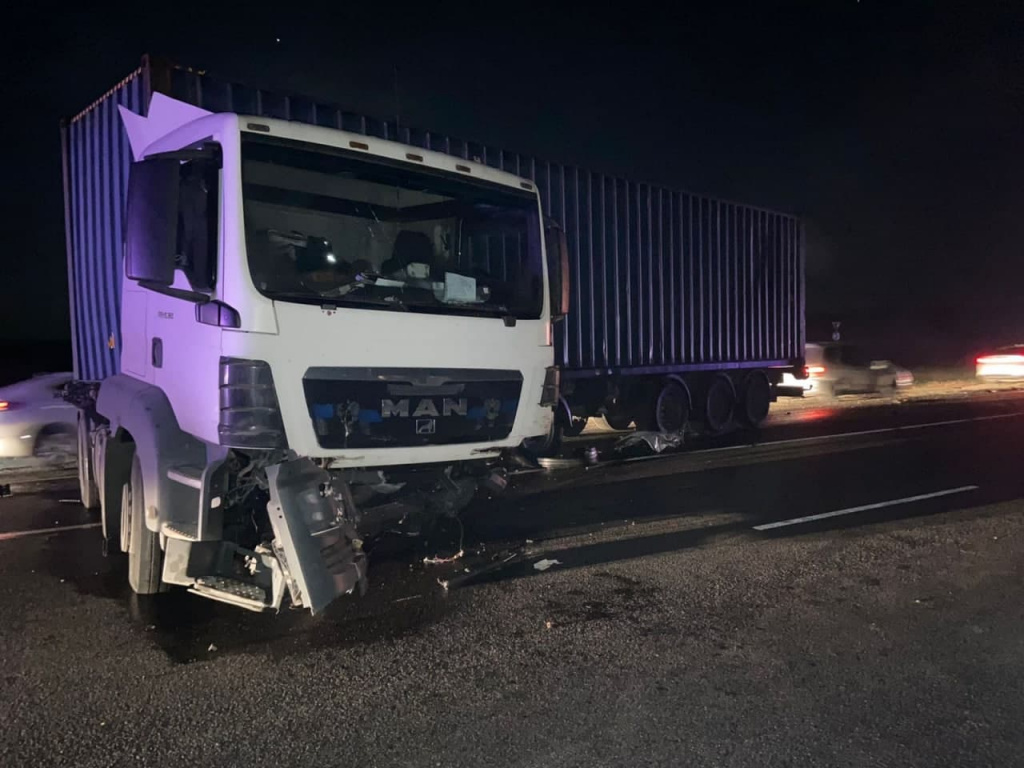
pixel 250 416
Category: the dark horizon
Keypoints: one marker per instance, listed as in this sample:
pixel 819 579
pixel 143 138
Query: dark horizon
pixel 890 129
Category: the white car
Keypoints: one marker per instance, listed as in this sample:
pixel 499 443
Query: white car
pixel 1001 364
pixel 35 420
pixel 835 368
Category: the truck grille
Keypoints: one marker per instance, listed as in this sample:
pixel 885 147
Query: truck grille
pixel 392 407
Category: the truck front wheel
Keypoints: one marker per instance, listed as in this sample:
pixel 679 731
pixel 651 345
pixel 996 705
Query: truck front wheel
pixel 87 489
pixel 144 556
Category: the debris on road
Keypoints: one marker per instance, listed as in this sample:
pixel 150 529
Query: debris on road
pixel 442 560
pixel 543 565
pixel 555 462
pixel 656 442
pixel 5 490
pixel 212 648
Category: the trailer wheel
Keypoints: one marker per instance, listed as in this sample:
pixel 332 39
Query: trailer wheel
pixel 144 555
pixel 719 404
pixel 618 416
pixel 572 426
pixel 575 426
pixel 87 489
pixel 757 398
pixel 670 411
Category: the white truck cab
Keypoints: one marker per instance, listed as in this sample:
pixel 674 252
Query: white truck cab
pixel 323 335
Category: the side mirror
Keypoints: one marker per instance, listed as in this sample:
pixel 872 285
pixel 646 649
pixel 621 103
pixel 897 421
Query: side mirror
pixel 152 230
pixel 558 269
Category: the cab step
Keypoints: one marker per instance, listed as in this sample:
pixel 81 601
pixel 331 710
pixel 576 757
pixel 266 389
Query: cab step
pixel 237 592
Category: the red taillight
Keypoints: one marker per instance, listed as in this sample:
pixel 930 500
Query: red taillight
pixel 815 370
pixel 4 405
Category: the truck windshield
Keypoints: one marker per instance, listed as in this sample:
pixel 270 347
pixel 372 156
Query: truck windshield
pixel 329 228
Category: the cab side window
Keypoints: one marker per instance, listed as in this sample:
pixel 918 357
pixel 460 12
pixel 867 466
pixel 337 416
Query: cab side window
pixel 197 224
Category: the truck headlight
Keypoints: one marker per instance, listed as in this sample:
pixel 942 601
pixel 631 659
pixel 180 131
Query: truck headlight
pixel 250 416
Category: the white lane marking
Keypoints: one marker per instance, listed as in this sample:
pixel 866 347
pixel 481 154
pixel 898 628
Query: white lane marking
pixel 834 436
pixel 42 531
pixel 865 508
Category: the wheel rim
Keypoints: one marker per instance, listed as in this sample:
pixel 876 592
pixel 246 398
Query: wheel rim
pixel 126 517
pixel 672 409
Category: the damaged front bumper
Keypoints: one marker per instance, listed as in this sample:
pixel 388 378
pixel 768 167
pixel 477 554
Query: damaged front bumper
pixel 318 550
pixel 315 554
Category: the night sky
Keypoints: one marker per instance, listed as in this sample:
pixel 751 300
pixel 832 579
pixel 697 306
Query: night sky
pixel 894 128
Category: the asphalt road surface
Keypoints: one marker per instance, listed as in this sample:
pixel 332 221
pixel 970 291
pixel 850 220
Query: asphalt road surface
pixel 844 588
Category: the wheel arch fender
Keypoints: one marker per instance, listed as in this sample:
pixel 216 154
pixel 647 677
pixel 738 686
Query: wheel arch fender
pixel 142 412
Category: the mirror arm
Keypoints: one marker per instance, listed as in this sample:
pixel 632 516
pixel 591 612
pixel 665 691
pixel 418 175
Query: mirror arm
pixel 178 293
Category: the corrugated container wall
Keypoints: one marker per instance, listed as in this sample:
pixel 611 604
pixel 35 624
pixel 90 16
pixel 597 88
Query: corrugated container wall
pixel 661 279
pixel 96 158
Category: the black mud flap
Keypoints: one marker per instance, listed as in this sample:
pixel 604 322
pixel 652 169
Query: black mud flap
pixel 319 551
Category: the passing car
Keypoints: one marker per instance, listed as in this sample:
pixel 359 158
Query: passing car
pixel 35 420
pixel 835 368
pixel 1003 363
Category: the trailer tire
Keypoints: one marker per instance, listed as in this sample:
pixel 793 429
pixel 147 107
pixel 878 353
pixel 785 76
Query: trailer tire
pixel 145 561
pixel 757 398
pixel 87 488
pixel 719 404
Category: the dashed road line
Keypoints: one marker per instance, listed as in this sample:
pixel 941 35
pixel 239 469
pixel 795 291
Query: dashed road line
pixel 44 531
pixel 864 508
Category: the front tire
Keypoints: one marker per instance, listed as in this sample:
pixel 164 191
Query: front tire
pixel 145 560
pixel 87 490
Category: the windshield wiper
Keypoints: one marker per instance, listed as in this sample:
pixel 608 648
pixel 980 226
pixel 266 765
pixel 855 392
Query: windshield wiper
pixel 331 302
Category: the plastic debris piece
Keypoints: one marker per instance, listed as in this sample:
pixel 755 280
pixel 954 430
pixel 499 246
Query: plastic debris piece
pixel 543 565
pixel 443 583
pixel 549 624
pixel 212 648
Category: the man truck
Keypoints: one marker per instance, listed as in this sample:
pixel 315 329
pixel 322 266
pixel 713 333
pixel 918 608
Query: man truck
pixel 296 328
